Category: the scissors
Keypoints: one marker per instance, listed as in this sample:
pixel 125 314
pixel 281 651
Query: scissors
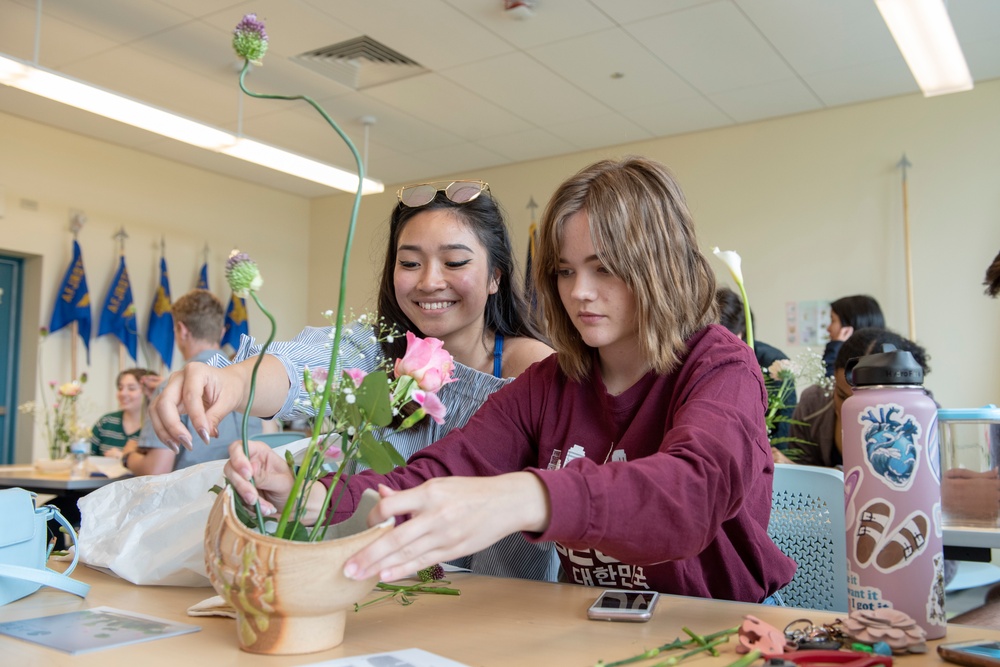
pixel 808 658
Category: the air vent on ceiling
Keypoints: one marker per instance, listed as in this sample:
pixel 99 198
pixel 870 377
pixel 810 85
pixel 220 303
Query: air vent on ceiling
pixel 360 63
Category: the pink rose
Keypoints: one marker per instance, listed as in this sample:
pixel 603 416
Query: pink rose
pixel 427 362
pixel 431 404
pixel 356 374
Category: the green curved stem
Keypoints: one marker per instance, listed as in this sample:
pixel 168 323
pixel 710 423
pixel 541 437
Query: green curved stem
pixel 746 314
pixel 253 390
pixel 339 322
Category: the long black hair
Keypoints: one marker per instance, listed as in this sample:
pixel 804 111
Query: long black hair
pixel 506 311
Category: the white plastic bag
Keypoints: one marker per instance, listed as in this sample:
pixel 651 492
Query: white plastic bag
pixel 150 530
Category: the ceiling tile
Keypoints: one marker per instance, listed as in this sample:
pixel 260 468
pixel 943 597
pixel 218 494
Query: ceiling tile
pixel 860 83
pixel 551 21
pixel 606 130
pixel 628 11
pixel 429 31
pixel 690 115
pixel 589 62
pixel 527 88
pixel 713 47
pixel 817 36
pixel 528 145
pixel 465 114
pixel 776 98
pixel 460 158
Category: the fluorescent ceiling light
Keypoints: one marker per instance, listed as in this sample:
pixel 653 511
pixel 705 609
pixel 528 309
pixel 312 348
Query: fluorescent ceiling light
pixel 37 80
pixel 926 38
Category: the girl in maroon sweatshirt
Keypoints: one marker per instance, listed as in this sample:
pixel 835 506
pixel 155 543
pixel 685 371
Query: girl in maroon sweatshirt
pixel 640 448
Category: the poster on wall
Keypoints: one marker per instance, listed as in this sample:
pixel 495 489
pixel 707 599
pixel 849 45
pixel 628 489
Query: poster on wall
pixel 806 322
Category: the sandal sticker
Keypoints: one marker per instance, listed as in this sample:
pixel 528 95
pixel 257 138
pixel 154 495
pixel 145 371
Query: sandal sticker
pixel 885 544
pixel 890 438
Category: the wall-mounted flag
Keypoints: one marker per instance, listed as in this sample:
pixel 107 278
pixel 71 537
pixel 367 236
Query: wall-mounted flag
pixel 73 300
pixel 160 332
pixel 118 314
pixel 236 322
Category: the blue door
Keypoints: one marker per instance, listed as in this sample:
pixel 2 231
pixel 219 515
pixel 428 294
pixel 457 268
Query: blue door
pixel 10 324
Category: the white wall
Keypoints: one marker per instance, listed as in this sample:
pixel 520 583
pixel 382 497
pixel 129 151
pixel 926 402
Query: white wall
pixel 813 203
pixel 45 173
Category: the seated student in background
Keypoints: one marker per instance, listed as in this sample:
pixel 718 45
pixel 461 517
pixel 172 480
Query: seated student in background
pixel 820 409
pixel 639 448
pixel 112 431
pixel 199 321
pixel 847 315
pixel 733 317
pixel 450 273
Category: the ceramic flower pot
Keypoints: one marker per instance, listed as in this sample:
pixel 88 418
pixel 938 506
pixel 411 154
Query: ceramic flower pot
pixel 290 597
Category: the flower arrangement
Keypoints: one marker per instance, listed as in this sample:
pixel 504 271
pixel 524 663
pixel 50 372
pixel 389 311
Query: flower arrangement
pixel 780 380
pixel 782 376
pixel 359 405
pixel 58 415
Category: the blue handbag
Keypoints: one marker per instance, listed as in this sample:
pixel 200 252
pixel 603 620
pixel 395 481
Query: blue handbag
pixel 24 548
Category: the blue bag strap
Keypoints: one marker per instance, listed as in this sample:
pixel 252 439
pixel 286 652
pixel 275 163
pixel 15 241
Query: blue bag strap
pixel 45 576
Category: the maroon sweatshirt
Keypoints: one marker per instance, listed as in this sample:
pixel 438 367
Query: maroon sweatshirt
pixel 666 486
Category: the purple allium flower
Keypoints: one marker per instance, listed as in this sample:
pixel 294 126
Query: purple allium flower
pixel 250 39
pixel 242 274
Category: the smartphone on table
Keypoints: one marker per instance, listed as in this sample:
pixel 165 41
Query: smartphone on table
pixel 976 653
pixel 619 605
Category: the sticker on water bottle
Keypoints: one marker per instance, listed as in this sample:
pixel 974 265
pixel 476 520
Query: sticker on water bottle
pixel 890 438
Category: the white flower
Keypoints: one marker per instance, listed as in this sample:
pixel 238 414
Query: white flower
pixel 780 367
pixel 732 261
pixel 350 398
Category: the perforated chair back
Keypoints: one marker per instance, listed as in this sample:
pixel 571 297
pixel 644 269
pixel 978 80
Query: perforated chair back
pixel 807 524
pixel 281 438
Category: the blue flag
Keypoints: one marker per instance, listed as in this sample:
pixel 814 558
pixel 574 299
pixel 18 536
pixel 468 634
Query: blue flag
pixel 118 315
pixel 73 300
pixel 203 277
pixel 160 332
pixel 236 322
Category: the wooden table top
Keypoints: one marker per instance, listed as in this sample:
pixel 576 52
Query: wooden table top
pixel 494 622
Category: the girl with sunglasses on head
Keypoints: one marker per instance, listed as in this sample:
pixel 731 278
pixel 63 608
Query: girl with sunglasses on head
pixel 640 448
pixel 449 273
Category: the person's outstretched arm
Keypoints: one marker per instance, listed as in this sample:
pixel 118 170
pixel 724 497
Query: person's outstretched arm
pixel 208 394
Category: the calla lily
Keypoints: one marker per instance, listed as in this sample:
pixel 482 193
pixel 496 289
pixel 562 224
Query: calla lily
pixel 734 263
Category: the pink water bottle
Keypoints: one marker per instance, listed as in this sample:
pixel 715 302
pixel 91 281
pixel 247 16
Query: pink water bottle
pixel 892 485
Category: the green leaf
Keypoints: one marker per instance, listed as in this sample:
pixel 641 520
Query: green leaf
pixel 374 454
pixel 394 456
pixel 373 398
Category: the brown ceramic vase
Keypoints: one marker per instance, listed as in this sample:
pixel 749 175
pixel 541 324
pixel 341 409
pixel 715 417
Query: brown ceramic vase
pixel 290 597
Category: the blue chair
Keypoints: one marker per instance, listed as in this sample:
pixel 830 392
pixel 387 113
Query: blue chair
pixel 280 438
pixel 807 524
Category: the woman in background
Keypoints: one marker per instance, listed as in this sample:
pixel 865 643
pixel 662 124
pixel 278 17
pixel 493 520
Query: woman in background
pixel 115 429
pixel 847 315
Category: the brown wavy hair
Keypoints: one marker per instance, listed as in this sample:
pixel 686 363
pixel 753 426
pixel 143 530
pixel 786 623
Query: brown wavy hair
pixel 643 233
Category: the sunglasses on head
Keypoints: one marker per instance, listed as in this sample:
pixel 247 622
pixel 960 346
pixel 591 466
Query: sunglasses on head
pixel 459 192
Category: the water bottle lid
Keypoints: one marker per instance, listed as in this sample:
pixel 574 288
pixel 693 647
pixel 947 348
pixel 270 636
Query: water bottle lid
pixel 891 366
pixel 987 413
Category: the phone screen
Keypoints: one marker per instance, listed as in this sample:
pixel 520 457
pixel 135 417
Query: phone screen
pixel 981 653
pixel 989 649
pixel 625 600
